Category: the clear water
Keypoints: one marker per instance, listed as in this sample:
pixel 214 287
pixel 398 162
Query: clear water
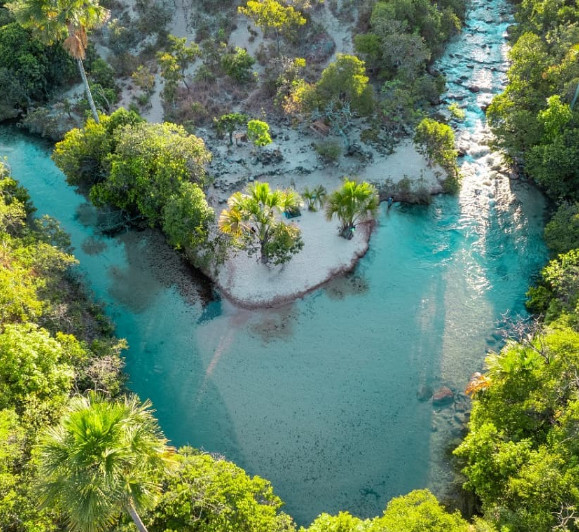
pixel 320 396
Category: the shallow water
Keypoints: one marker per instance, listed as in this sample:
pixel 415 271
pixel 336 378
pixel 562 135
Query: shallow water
pixel 320 397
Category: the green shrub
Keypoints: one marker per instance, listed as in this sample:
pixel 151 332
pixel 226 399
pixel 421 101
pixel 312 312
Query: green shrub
pixel 237 65
pixel 329 150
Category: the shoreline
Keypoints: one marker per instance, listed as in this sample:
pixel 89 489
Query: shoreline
pixel 404 174
pixel 287 297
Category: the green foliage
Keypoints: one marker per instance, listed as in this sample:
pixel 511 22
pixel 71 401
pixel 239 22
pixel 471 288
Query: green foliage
pixel 144 169
pixel 102 74
pixel 149 164
pixel 519 456
pixel 345 80
pixel 41 362
pixel 315 197
pixel 554 118
pixel 252 221
pixel 82 154
pixel 532 119
pixel 186 217
pixel 29 71
pixel 258 132
pixel 270 15
pixel 206 494
pixel 175 62
pixel 351 204
pixel 558 293
pixel 562 232
pixel 103 457
pixel 144 79
pixel 237 65
pixel 419 511
pixel 228 123
pixel 32 365
pixel 343 522
pixel 555 165
pixel 456 112
pixel 404 36
pixel 436 141
pixel 66 22
pixel 329 150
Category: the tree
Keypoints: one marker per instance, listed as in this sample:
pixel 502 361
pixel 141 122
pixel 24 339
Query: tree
pixel 206 494
pixel 345 81
pixel 149 163
pixel 271 15
pixel 554 118
pixel 315 197
pixel 186 217
pixel 562 232
pixel 351 204
pixel 258 132
pixel 251 221
pixel 174 63
pixel 32 365
pixel 521 451
pixel 63 20
pixel 228 123
pixel 237 63
pixel 102 458
pixel 83 153
pixel 435 140
pixel 419 511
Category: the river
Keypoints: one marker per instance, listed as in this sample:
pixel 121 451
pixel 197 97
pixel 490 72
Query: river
pixel 320 397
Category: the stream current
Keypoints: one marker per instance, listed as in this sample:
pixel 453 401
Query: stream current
pixel 320 397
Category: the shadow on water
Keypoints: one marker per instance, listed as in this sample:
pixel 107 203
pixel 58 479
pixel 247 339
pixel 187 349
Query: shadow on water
pixel 154 297
pixel 320 397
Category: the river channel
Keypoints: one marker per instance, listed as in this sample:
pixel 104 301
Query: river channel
pixel 320 397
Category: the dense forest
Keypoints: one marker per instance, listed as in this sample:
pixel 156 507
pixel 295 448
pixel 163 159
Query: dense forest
pixel 78 451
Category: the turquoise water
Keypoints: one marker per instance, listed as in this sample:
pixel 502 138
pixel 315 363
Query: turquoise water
pixel 320 397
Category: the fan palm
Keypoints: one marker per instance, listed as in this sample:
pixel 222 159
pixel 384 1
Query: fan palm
pixel 351 204
pixel 315 197
pixel 65 21
pixel 251 216
pixel 104 457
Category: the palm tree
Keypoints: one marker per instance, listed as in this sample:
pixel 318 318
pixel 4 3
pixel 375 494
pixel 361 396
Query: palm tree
pixel 103 457
pixel 351 204
pixel 63 20
pixel 252 216
pixel 315 197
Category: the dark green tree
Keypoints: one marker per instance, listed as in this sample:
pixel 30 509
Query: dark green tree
pixel 65 21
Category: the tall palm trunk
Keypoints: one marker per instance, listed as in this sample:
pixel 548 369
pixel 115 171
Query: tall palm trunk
pixel 136 518
pixel 88 92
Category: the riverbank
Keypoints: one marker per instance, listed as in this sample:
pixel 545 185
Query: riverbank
pixel 248 283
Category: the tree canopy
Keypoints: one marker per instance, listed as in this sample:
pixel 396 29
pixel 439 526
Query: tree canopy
pixel 352 203
pixel 253 221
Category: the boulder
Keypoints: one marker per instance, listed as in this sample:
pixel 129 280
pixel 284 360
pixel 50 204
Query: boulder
pixel 424 392
pixel 443 396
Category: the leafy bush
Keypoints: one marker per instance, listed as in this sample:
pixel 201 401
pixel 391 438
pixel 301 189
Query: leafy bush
pixel 329 150
pixel 436 141
pixel 29 71
pixel 258 132
pixel 562 232
pixel 237 65
pixel 345 80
